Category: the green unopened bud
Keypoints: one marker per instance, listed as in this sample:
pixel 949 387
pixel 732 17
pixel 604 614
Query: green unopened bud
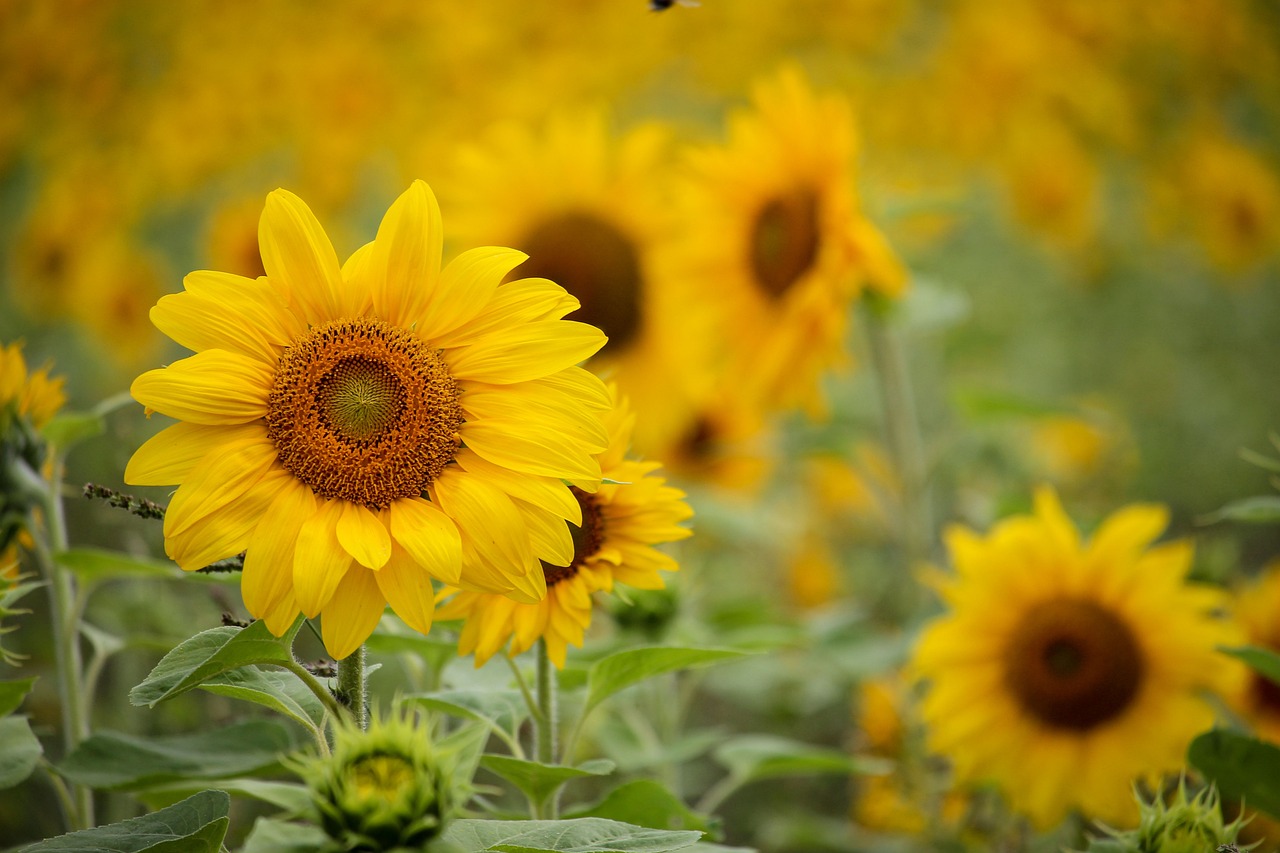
pixel 1182 825
pixel 383 789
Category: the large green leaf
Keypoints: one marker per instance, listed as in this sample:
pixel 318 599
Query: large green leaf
pixel 96 564
pixel 645 802
pixel 630 666
pixel 539 782
pixel 752 757
pixel 584 835
pixel 195 825
pixel 289 797
pixel 1242 767
pixel 280 691
pixel 117 761
pixel 12 693
pixel 210 654
pixel 1265 662
pixel 276 836
pixel 504 708
pixel 20 751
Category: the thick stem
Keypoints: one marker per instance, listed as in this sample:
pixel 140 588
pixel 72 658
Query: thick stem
pixel 546 721
pixel 65 618
pixel 902 432
pixel 351 686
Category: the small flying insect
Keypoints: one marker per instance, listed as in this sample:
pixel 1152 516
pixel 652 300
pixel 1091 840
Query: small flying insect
pixel 663 5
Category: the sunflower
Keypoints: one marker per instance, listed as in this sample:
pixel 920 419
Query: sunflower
pixel 33 395
pixel 1257 608
pixel 1066 670
pixel 358 430
pixel 588 207
pixel 774 239
pixel 613 543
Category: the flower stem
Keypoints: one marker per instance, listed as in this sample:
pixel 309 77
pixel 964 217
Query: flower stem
pixel 547 711
pixel 351 687
pixel 902 430
pixel 65 617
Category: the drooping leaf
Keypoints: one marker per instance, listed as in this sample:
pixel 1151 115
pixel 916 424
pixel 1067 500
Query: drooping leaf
pixel 752 757
pixel 280 691
pixel 465 745
pixel 20 751
pixel 209 654
pixel 583 835
pixel 1241 766
pixel 505 708
pixel 13 692
pixel 69 428
pixel 116 761
pixel 1262 509
pixel 277 836
pixel 95 564
pixel 539 782
pixel 195 825
pixel 645 802
pixel 1263 661
pixel 630 666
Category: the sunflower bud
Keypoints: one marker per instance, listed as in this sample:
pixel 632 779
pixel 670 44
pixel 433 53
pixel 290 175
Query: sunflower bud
pixel 27 402
pixel 382 789
pixel 1183 825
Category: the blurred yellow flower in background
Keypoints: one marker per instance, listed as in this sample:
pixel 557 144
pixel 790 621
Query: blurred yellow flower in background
pixel 30 394
pixel 357 430
pixel 1257 607
pixel 613 542
pixel 1066 670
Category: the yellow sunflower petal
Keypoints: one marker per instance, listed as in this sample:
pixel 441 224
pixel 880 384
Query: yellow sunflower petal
pixel 518 302
pixel 1129 529
pixel 258 302
pixel 364 536
pixel 227 531
pixel 352 613
pixel 219 479
pixel 407 588
pixel 319 561
pixel 297 253
pixel 267 580
pixel 169 456
pixel 467 286
pixel 214 387
pixel 496 550
pixel 548 493
pixel 404 264
pixel 531 351
pixel 358 273
pixel 429 536
pixel 548 533
pixel 535 451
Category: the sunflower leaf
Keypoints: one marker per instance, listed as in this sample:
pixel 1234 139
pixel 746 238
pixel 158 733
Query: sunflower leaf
pixel 1260 509
pixel 96 564
pixel 20 751
pixel 504 708
pixel 12 693
pixel 1265 662
pixel 539 782
pixel 630 666
pixel 120 762
pixel 277 836
pixel 196 825
pixel 210 654
pixel 584 835
pixel 1242 767
pixel 645 802
pixel 280 691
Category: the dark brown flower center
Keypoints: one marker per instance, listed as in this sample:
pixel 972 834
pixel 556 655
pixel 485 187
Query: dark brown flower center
pixel 587 539
pixel 594 261
pixel 1073 664
pixel 785 240
pixel 363 411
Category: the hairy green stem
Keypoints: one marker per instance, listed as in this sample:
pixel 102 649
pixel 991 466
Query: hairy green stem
pixel 351 688
pixel 545 725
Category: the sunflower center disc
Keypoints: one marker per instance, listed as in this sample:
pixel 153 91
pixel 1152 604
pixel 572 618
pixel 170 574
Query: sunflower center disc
pixel 784 241
pixel 595 262
pixel 363 411
pixel 1073 664
pixel 587 539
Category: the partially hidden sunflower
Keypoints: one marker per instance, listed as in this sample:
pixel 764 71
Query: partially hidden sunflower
pixel 613 543
pixel 1257 608
pixel 1067 670
pixel 773 237
pixel 359 429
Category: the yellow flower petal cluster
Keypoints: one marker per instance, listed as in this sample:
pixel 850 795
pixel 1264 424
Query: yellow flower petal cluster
pixel 358 429
pixel 613 543
pixel 34 395
pixel 1065 670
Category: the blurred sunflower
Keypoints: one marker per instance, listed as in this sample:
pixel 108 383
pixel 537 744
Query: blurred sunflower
pixel 358 430
pixel 1067 670
pixel 588 208
pixel 1257 607
pixel 773 238
pixel 613 543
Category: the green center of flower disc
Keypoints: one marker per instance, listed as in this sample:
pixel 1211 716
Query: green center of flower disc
pixel 587 539
pixel 785 241
pixel 1073 664
pixel 363 411
pixel 595 262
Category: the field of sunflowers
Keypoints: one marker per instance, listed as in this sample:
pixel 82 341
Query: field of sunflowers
pixel 614 426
